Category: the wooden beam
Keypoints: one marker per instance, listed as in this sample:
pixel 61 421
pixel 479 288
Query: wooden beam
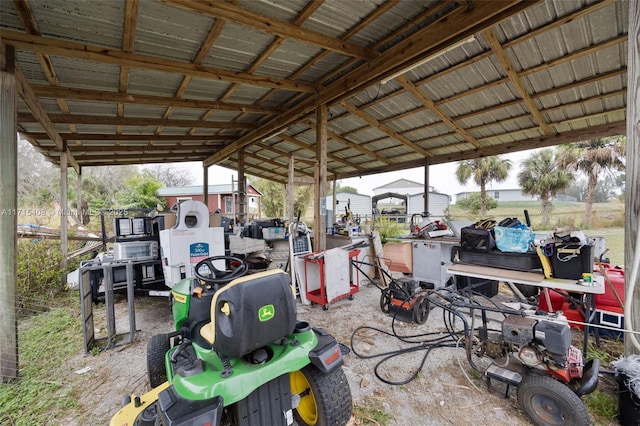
pixel 126 121
pixel 437 111
pixel 632 195
pixel 248 18
pixel 129 137
pixel 129 98
pixel 603 130
pixel 115 57
pixel 514 78
pixel 8 219
pixel 458 25
pixel 383 128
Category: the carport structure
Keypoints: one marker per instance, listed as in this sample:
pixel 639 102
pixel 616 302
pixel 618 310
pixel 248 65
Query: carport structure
pixel 304 90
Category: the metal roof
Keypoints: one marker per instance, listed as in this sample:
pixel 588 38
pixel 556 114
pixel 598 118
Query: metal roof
pixel 142 81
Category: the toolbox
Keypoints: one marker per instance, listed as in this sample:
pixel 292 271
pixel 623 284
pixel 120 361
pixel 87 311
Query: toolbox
pixel 572 260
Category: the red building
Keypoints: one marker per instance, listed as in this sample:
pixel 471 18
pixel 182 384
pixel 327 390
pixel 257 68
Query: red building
pixel 220 197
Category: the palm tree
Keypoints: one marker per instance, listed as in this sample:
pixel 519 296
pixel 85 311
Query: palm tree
pixel 541 176
pixel 483 170
pixel 593 157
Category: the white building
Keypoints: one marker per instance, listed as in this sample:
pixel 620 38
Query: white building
pixel 359 205
pixel 501 195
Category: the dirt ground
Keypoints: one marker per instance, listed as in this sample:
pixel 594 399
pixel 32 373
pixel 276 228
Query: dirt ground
pixel 446 392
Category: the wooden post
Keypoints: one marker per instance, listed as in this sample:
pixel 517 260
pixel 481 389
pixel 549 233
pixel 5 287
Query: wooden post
pixel 243 216
pixel 8 215
pixel 205 184
pixel 425 207
pixel 290 190
pixel 79 196
pixel 64 211
pixel 320 222
pixel 632 197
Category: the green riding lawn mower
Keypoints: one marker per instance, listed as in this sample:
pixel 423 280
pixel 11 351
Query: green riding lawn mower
pixel 240 357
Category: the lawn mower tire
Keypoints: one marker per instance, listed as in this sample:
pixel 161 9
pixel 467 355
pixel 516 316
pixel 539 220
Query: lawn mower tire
pixel 157 347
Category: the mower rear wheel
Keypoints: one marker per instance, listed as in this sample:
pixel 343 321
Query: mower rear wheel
pixel 325 399
pixel 156 349
pixel 421 310
pixel 549 402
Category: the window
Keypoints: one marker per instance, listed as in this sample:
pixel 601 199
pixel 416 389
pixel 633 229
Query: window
pixel 496 195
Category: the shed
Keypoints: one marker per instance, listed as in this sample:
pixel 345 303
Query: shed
pixel 360 205
pixel 438 204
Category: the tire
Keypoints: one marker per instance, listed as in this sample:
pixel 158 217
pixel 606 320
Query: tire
pixel 421 310
pixel 549 402
pixel 156 349
pixel 385 300
pixel 325 399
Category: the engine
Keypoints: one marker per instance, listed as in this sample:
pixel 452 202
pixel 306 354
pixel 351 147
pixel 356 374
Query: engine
pixel 537 343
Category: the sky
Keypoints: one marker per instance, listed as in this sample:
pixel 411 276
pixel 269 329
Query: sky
pixel 442 176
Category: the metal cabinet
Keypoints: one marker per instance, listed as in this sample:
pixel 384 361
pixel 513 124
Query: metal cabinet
pixel 430 261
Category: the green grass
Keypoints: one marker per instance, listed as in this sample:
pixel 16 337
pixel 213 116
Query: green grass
pixel 41 393
pixel 371 412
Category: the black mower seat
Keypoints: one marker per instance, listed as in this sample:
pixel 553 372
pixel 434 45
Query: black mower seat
pixel 251 312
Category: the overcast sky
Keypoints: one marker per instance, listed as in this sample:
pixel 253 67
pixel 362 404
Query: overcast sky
pixel 442 177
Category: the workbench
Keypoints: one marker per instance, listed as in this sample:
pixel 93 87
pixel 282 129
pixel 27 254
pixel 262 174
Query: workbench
pixel 538 279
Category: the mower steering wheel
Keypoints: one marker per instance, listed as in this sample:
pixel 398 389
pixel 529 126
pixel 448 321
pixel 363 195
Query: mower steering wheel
pixel 217 276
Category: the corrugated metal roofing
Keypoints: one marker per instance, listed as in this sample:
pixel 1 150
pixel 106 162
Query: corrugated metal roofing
pixel 200 81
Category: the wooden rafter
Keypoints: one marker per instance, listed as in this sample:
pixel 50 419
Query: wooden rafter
pixel 437 111
pixel 383 128
pixel 130 98
pixel 131 137
pixel 128 37
pixel 125 121
pixel 223 9
pixel 117 57
pixel 514 78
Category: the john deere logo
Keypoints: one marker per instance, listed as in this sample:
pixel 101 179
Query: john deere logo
pixel 266 313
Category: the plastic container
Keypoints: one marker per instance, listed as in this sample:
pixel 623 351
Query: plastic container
pixel 617 279
pixel 274 233
pixel 571 261
pixel 556 299
pixel 515 261
pixel 573 314
pixel 611 316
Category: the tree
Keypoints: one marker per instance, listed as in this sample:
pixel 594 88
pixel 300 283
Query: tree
pixel 473 203
pixel 541 176
pixel 345 189
pixel 483 171
pixel 140 193
pixel 168 175
pixel 593 158
pixel 273 197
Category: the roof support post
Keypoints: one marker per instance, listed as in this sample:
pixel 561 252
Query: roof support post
pixel 320 217
pixel 242 190
pixel 64 211
pixel 205 184
pixel 632 198
pixel 425 207
pixel 79 207
pixel 8 215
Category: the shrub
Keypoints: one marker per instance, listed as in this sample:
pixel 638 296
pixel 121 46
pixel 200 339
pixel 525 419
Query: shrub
pixel 39 273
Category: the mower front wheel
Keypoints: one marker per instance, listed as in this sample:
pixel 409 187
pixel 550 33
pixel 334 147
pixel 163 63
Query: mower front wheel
pixel 325 399
pixel 549 402
pixel 156 349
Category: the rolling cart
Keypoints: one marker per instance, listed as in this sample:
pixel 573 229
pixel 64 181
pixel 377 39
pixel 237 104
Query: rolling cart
pixel 327 285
